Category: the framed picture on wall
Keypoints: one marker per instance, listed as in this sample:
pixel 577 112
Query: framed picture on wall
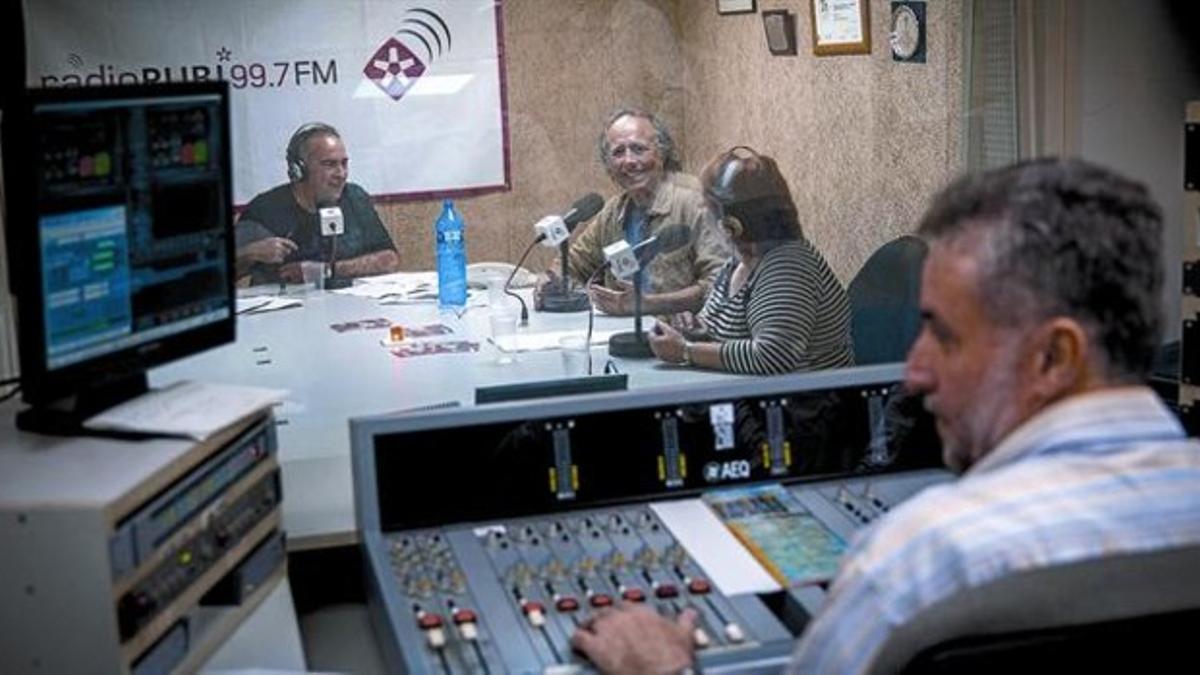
pixel 841 27
pixel 735 6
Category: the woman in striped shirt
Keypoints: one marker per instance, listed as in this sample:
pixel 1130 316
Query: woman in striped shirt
pixel 776 307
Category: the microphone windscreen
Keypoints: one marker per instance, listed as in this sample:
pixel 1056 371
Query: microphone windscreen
pixel 583 209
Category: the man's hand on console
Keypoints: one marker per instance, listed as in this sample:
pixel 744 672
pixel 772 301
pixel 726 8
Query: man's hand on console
pixel 634 639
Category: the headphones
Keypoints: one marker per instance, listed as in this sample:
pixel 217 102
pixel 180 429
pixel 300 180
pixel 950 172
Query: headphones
pixel 722 186
pixel 733 225
pixel 296 170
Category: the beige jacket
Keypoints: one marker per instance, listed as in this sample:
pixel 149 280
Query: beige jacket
pixel 679 200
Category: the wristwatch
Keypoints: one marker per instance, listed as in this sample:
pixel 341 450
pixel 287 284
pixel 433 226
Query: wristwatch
pixel 687 354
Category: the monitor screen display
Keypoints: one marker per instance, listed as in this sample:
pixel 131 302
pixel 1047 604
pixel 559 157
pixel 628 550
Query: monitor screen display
pixel 120 221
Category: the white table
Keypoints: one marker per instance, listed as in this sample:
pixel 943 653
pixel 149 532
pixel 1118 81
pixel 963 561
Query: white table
pixel 334 376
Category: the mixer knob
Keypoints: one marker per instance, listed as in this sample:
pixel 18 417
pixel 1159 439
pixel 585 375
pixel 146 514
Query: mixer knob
pixel 700 638
pixel 600 600
pixel 733 633
pixel 424 586
pixel 428 620
pixel 466 620
pixel 699 586
pixel 431 624
pixel 665 590
pixel 566 603
pixel 534 613
pixel 633 595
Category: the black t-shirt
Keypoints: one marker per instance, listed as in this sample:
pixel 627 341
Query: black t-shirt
pixel 277 211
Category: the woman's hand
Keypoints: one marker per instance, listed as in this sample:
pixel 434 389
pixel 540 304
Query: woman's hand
pixel 691 325
pixel 667 343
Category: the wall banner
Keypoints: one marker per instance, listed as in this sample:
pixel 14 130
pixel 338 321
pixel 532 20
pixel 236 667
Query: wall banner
pixel 416 87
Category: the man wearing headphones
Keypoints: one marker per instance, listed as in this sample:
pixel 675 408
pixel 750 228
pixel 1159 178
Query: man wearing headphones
pixel 280 228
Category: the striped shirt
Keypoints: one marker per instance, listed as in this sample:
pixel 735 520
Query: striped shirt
pixel 791 314
pixel 1105 473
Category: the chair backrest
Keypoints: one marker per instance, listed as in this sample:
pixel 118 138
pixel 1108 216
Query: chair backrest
pixel 1064 608
pixel 884 296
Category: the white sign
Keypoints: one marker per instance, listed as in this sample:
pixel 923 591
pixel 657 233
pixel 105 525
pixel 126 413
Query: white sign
pixel 414 87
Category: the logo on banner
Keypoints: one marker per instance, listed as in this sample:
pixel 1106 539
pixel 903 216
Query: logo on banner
pixel 400 61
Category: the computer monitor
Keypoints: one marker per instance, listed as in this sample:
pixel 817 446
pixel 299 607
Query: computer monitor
pixel 119 223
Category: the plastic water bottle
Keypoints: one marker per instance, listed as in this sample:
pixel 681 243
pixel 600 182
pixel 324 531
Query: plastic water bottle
pixel 451 258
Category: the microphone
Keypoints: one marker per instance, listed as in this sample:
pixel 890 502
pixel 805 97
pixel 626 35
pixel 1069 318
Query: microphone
pixel 628 261
pixel 333 224
pixel 565 295
pixel 625 260
pixel 554 230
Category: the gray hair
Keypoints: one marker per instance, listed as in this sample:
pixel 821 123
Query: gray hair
pixel 1064 238
pixel 662 137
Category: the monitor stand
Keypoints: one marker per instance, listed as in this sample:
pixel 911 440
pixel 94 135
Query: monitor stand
pixel 65 416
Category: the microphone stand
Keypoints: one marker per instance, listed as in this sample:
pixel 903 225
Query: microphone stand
pixel 565 298
pixel 632 345
pixel 331 282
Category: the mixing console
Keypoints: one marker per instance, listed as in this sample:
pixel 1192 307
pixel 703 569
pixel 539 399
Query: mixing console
pixel 556 516
pixel 506 597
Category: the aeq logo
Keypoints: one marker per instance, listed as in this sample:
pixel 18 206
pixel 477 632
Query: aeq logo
pixel 395 67
pixel 715 472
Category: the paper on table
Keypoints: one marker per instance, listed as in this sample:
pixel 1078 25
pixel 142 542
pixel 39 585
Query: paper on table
pixel 189 409
pixel 265 303
pixel 402 285
pixel 404 288
pixel 724 559
pixel 533 342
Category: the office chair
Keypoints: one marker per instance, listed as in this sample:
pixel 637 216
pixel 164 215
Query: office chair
pixel 884 295
pixel 1115 614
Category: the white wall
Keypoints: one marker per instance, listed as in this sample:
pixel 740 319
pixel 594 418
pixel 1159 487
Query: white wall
pixel 1135 80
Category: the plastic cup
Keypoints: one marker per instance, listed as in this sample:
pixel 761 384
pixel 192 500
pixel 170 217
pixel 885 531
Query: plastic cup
pixel 503 323
pixel 313 273
pixel 575 355
pixel 495 288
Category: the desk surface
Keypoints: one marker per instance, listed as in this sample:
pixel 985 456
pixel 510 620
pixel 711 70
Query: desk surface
pixel 333 376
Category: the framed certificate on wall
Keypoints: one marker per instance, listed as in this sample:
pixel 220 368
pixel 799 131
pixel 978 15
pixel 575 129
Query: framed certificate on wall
pixel 735 6
pixel 841 27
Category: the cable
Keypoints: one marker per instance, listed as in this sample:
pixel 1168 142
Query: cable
pixel 11 380
pixel 524 309
pixel 587 343
pixel 16 390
